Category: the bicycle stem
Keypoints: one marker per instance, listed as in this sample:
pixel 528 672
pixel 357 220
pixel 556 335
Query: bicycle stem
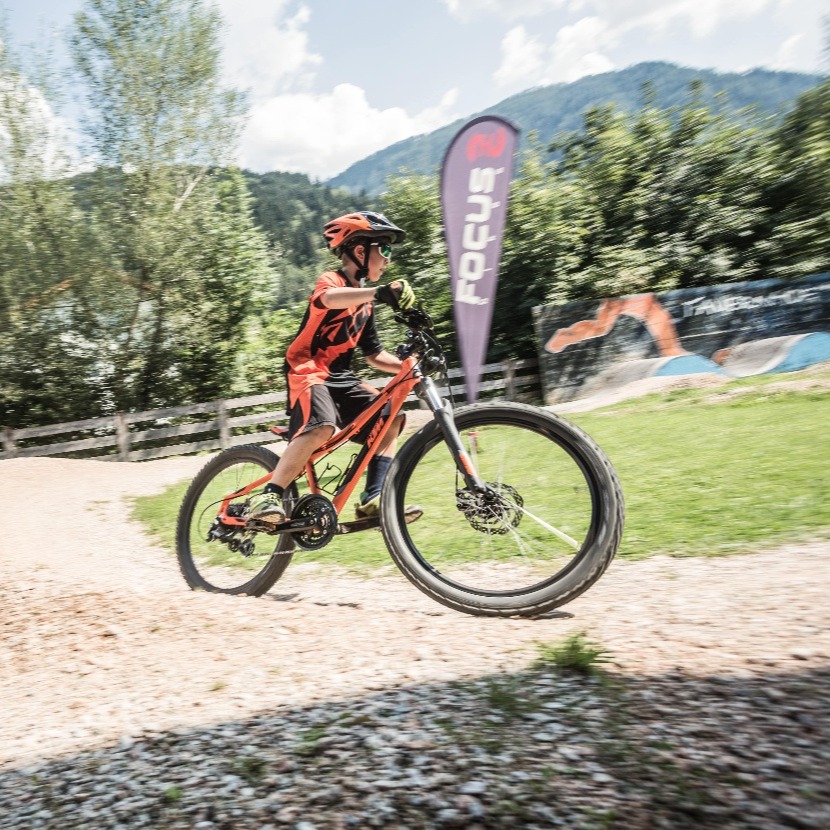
pixel 442 410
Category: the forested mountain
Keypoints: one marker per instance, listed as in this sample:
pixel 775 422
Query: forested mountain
pixel 291 210
pixel 555 109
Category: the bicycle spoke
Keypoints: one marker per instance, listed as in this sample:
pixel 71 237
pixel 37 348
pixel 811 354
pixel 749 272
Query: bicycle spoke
pixel 558 533
pixel 220 556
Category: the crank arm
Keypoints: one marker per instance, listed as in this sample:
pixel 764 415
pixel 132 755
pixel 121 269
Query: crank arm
pixel 358 525
pixel 411 515
pixel 291 526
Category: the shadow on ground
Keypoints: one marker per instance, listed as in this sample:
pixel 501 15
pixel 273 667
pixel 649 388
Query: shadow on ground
pixel 541 748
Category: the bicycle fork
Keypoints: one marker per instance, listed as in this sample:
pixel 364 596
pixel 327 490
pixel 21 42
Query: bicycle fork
pixel 442 411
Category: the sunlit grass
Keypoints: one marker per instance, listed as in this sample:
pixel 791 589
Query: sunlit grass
pixel 704 471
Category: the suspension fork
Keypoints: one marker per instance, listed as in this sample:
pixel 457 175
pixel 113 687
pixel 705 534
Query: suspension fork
pixel 443 414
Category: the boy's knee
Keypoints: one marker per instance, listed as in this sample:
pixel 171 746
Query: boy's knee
pixel 315 437
pixel 321 434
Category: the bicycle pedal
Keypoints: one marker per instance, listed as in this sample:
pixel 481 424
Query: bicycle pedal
pixel 413 513
pixel 263 527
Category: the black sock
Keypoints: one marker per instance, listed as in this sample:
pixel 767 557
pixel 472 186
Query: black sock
pixel 375 474
pixel 274 488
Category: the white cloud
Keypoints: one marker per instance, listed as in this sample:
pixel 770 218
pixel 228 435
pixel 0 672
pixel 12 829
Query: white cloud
pixel 702 16
pixel 523 59
pixel 587 46
pixel 322 134
pixel 799 53
pixel 34 139
pixel 292 126
pixel 266 49
pixel 577 50
pixel 788 54
pixel 510 9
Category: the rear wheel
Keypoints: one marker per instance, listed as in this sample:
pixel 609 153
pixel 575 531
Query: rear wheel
pixel 544 531
pixel 225 559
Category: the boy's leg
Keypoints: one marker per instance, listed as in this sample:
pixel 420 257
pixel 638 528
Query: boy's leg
pixel 350 403
pixel 312 423
pixel 378 469
pixel 295 456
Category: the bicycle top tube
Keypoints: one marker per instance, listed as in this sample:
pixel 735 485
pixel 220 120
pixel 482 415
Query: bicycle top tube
pixel 396 391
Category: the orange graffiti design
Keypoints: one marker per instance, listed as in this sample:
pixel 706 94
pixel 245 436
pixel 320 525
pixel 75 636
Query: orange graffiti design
pixel 644 307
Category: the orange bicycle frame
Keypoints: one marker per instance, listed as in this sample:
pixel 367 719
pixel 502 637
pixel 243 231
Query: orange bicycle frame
pixel 394 394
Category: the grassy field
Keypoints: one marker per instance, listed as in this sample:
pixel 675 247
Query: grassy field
pixel 704 471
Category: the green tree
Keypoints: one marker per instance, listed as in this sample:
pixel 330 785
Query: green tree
pixel 675 198
pixel 49 272
pixel 413 203
pixel 800 241
pixel 187 261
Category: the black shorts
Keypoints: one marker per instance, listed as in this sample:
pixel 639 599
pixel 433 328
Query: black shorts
pixel 335 406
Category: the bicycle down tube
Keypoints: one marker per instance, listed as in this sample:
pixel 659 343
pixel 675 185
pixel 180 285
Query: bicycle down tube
pixel 393 395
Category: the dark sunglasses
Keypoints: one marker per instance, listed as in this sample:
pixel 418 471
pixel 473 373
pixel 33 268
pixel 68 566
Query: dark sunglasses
pixel 385 249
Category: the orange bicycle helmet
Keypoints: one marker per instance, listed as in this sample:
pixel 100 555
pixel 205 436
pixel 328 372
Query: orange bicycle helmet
pixel 345 232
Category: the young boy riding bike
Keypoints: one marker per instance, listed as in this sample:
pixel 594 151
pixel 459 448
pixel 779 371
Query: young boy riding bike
pixel 323 392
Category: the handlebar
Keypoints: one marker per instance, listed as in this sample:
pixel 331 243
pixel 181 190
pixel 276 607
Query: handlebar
pixel 415 318
pixel 421 341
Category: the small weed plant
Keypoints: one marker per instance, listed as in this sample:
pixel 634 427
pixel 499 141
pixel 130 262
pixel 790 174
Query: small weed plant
pixel 250 767
pixel 507 697
pixel 574 654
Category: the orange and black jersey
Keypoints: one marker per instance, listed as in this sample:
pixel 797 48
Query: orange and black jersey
pixel 323 348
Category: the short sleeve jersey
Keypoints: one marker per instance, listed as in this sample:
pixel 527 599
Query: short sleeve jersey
pixel 323 348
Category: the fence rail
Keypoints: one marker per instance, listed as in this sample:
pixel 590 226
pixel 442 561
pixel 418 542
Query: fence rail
pixel 140 436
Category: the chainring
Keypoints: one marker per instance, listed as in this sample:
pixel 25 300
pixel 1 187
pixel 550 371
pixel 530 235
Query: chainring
pixel 321 511
pixel 495 511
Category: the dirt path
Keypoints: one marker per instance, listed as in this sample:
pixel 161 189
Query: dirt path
pixel 102 641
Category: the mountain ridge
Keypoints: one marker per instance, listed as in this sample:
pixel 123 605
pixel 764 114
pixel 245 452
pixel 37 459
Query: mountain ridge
pixel 557 108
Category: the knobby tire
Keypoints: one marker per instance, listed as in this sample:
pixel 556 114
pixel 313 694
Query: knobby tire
pixel 543 466
pixel 190 513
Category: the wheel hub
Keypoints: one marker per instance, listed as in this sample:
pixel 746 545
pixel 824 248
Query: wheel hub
pixel 494 511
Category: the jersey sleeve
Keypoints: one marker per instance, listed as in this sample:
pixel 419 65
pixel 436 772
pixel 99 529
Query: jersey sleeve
pixel 330 279
pixel 369 341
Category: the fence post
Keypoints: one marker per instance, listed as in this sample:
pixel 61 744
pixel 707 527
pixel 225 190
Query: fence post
pixel 122 436
pixel 224 428
pixel 508 368
pixel 8 442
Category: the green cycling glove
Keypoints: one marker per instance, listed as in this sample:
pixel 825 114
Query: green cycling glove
pixel 398 294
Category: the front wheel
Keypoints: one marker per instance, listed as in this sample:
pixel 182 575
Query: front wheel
pixel 545 529
pixel 227 559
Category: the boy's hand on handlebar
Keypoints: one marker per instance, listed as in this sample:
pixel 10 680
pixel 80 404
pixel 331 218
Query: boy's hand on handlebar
pixel 398 294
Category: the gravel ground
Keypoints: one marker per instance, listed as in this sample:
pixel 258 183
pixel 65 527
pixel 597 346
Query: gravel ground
pixel 536 748
pixel 335 701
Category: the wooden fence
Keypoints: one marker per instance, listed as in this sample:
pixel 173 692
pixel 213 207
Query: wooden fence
pixel 140 436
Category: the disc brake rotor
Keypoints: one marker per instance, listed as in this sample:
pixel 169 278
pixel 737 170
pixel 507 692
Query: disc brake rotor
pixel 494 511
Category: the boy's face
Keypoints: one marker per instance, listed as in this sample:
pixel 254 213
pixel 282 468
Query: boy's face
pixel 377 262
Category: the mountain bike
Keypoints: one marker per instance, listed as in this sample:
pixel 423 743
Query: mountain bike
pixel 518 510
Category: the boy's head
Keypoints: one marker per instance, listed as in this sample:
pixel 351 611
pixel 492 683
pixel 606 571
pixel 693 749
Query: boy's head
pixel 365 239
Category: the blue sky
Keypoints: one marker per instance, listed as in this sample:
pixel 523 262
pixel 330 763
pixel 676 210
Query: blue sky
pixel 331 82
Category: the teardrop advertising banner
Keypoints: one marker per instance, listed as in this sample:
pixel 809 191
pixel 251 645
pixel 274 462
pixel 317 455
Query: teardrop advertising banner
pixel 475 185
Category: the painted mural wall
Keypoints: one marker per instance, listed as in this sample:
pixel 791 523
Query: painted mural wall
pixel 735 329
